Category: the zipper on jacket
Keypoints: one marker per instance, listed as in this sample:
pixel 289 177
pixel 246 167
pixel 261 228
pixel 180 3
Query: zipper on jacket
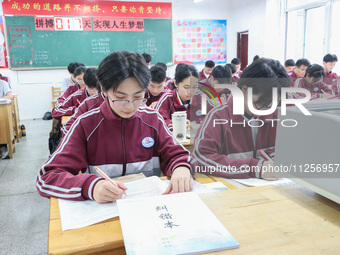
pixel 123 144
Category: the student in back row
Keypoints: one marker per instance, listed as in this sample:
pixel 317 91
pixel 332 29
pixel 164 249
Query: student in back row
pixel 78 75
pixel 118 137
pixel 70 81
pixel 313 83
pixel 89 103
pixel 68 107
pixel 206 71
pixel 289 65
pixel 237 63
pixel 156 87
pixel 329 62
pixel 299 70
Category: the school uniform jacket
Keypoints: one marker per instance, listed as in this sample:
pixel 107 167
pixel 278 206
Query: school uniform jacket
pixel 336 86
pixel 202 75
pixel 316 90
pixel 117 146
pixel 67 82
pixel 73 88
pixel 293 78
pixel 237 76
pixel 152 98
pixel 68 107
pixel 330 78
pixel 170 85
pixel 88 104
pixel 234 145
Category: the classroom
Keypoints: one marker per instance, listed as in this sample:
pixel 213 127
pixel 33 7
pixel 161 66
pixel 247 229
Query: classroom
pixel 229 135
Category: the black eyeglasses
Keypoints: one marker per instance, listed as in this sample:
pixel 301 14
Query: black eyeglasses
pixel 122 102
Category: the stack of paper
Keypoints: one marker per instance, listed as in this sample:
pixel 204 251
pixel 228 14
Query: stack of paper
pixel 172 224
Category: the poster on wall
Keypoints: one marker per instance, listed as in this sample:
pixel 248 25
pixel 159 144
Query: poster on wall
pixel 3 55
pixel 196 41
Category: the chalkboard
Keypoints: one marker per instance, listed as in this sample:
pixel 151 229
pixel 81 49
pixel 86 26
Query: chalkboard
pixel 36 49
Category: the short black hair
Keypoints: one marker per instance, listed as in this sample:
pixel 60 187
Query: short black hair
pixel 263 75
pixel 232 67
pixel 72 66
pixel 147 57
pixel 315 71
pixel 120 65
pixel 256 57
pixel 90 77
pixel 184 71
pixel 330 58
pixel 162 65
pixel 236 61
pixel 158 74
pixel 302 61
pixel 222 74
pixel 79 70
pixel 210 64
pixel 289 62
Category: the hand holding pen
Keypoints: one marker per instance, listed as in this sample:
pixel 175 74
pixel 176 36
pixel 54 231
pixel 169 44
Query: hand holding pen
pixel 107 190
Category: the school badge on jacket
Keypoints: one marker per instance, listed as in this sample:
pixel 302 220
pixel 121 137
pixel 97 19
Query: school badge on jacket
pixel 148 142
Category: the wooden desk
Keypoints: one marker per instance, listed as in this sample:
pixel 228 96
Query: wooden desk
pixel 16 124
pixel 65 119
pixel 264 220
pixel 6 127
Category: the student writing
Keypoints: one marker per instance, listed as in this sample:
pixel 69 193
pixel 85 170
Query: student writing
pixel 118 137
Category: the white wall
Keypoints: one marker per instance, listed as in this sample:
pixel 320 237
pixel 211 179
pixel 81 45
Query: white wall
pixel 34 87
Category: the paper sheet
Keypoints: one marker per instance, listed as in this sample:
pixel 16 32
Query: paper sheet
pixel 204 188
pixel 254 182
pixel 78 214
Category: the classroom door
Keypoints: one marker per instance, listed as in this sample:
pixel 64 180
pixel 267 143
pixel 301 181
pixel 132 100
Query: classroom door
pixel 242 48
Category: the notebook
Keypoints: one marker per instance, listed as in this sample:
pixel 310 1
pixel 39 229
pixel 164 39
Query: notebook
pixel 172 224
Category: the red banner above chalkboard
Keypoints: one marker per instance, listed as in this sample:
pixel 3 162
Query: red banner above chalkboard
pixel 88 8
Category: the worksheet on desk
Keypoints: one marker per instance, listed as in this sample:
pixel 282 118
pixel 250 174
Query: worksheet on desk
pixel 78 214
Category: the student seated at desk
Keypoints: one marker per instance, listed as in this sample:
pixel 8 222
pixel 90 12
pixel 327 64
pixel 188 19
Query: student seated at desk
pixel 68 107
pixel 313 82
pixel 160 64
pixel 170 84
pixel 231 147
pixel 233 72
pixel 118 137
pixel 299 70
pixel 79 77
pixel 88 104
pixel 289 65
pixel 156 87
pixel 186 78
pixel 5 91
pixel 329 62
pixel 70 81
pixel 237 63
pixel 206 71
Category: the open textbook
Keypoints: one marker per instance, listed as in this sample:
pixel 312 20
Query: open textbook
pixel 173 224
pixel 78 214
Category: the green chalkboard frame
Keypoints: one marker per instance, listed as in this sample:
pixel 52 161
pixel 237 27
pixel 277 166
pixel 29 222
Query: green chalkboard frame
pixel 38 49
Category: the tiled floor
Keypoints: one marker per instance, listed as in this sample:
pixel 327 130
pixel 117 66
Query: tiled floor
pixel 23 213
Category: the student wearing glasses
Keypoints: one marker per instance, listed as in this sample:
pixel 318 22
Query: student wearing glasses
pixel 186 79
pixel 118 137
pixel 299 70
pixel 232 148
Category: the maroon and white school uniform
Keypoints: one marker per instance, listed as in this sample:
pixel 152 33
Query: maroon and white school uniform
pixel 204 76
pixel 87 105
pixel 152 98
pixel 170 85
pixel 67 82
pixel 233 148
pixel 171 102
pixel 316 90
pixel 73 88
pixel 336 86
pixel 330 78
pixel 68 107
pixel 236 76
pixel 293 78
pixel 98 138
